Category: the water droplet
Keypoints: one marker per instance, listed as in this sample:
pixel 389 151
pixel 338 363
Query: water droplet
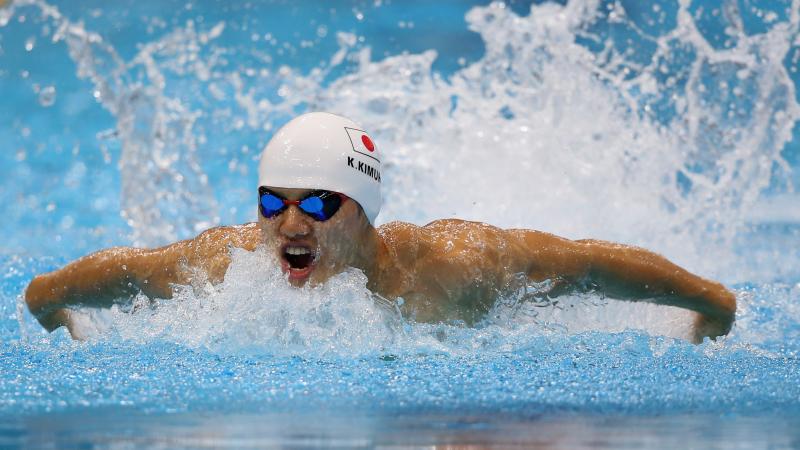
pixel 216 30
pixel 5 16
pixel 67 222
pixel 47 96
pixel 322 31
pixel 30 43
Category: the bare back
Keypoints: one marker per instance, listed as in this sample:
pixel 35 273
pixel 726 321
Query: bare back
pixel 448 269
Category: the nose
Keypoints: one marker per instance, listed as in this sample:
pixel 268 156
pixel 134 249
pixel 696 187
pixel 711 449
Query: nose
pixel 294 224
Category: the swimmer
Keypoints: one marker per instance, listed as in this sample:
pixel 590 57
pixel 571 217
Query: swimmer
pixel 318 196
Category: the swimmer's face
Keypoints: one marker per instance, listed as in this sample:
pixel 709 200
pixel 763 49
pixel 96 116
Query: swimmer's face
pixel 310 250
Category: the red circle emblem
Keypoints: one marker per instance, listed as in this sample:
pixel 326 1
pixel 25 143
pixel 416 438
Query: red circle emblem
pixel 367 142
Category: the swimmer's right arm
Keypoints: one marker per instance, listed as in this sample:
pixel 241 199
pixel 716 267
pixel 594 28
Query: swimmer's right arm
pixel 100 280
pixel 109 276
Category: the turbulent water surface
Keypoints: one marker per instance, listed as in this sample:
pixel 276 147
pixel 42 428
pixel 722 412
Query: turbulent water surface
pixel 674 125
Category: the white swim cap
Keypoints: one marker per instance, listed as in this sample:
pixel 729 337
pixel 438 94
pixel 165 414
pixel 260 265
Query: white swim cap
pixel 320 150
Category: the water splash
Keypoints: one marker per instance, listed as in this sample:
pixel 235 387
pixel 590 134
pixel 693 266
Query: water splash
pixel 256 310
pixel 162 181
pixel 667 145
pixel 558 126
pixel 542 132
pixel 47 96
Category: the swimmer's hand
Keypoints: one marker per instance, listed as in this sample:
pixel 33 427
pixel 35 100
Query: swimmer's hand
pixel 632 273
pixel 62 317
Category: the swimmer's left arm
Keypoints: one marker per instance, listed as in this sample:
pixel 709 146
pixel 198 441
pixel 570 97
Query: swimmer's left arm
pixel 629 273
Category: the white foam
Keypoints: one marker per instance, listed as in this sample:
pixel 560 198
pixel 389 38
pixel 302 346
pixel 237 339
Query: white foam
pixel 256 309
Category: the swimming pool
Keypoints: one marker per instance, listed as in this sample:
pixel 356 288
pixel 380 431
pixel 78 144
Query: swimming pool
pixel 672 126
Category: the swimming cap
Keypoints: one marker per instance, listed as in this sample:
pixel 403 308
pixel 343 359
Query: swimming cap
pixel 320 150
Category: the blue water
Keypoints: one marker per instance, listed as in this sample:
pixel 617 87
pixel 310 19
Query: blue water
pixel 670 125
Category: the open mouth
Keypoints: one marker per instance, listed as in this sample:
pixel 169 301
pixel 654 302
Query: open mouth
pixel 298 261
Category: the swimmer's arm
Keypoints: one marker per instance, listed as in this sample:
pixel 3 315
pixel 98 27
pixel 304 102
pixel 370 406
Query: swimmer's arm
pixel 109 276
pixel 99 280
pixel 629 273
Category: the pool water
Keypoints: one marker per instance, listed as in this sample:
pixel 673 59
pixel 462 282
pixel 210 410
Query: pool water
pixel 673 125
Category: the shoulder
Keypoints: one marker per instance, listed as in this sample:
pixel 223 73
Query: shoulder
pixel 246 235
pixel 210 250
pixel 402 242
pixel 437 227
pixel 434 232
pixel 220 239
pixel 461 227
pixel 445 239
pixel 397 230
pixel 456 236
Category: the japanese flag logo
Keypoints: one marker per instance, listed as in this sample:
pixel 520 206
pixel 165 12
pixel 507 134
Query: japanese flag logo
pixel 362 143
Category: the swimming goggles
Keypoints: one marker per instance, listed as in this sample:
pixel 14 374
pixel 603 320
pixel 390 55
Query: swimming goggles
pixel 321 205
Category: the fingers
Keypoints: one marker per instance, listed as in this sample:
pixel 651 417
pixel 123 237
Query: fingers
pixel 713 327
pixel 52 319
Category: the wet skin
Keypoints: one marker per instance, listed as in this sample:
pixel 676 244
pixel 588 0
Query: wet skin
pixel 446 270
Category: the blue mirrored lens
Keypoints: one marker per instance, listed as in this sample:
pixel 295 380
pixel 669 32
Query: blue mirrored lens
pixel 270 205
pixel 312 205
